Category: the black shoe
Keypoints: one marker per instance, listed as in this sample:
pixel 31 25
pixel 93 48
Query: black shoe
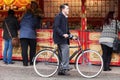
pixel 107 69
pixel 104 69
pixel 25 64
pixel 31 64
pixel 5 63
pixel 11 63
pixel 63 72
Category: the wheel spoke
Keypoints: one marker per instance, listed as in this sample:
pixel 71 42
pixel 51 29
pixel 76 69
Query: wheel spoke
pixel 46 63
pixel 87 65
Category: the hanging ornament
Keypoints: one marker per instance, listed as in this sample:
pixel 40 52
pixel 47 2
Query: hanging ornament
pixel 8 2
pixel 20 3
pixel 1 2
pixel 23 2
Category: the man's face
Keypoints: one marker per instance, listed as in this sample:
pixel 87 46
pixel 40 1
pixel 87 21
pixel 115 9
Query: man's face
pixel 66 10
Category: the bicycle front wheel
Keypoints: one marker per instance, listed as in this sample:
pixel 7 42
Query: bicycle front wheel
pixel 89 63
pixel 46 63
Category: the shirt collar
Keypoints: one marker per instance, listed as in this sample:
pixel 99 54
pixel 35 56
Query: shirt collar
pixel 65 15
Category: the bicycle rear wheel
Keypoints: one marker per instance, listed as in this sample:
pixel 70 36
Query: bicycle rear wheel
pixel 46 63
pixel 89 63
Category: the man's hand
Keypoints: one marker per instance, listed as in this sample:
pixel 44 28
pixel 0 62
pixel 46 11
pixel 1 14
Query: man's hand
pixel 65 35
pixel 74 37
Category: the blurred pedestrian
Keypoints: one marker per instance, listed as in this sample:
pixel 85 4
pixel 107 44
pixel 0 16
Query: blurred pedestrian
pixel 10 26
pixel 107 37
pixel 28 26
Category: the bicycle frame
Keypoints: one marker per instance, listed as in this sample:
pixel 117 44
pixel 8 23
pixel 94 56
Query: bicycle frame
pixel 77 52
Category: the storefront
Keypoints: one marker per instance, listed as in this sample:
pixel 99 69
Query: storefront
pixel 85 21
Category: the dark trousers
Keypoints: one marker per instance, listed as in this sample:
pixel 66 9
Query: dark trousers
pixel 32 46
pixel 107 55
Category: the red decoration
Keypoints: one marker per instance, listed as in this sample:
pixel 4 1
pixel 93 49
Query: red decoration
pixel 1 2
pixel 21 3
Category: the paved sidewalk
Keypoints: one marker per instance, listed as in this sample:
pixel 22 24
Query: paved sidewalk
pixel 18 72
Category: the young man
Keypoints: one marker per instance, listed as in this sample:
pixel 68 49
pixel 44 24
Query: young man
pixel 61 37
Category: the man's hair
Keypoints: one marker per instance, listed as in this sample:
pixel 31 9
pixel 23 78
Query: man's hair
pixel 34 4
pixel 63 6
pixel 11 12
pixel 110 15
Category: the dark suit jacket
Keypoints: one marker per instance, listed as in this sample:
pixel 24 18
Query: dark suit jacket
pixel 60 27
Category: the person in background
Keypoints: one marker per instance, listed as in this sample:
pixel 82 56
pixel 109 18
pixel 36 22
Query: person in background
pixel 28 26
pixel 107 37
pixel 61 37
pixel 13 27
pixel 37 12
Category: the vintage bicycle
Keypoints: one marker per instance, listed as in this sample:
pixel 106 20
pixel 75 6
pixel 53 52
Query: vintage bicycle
pixel 46 61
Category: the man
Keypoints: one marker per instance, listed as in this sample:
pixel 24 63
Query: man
pixel 61 37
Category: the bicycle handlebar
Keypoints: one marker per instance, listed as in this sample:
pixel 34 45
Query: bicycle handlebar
pixel 78 41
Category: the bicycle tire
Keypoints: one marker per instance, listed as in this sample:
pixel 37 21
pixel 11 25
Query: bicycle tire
pixel 89 68
pixel 46 63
